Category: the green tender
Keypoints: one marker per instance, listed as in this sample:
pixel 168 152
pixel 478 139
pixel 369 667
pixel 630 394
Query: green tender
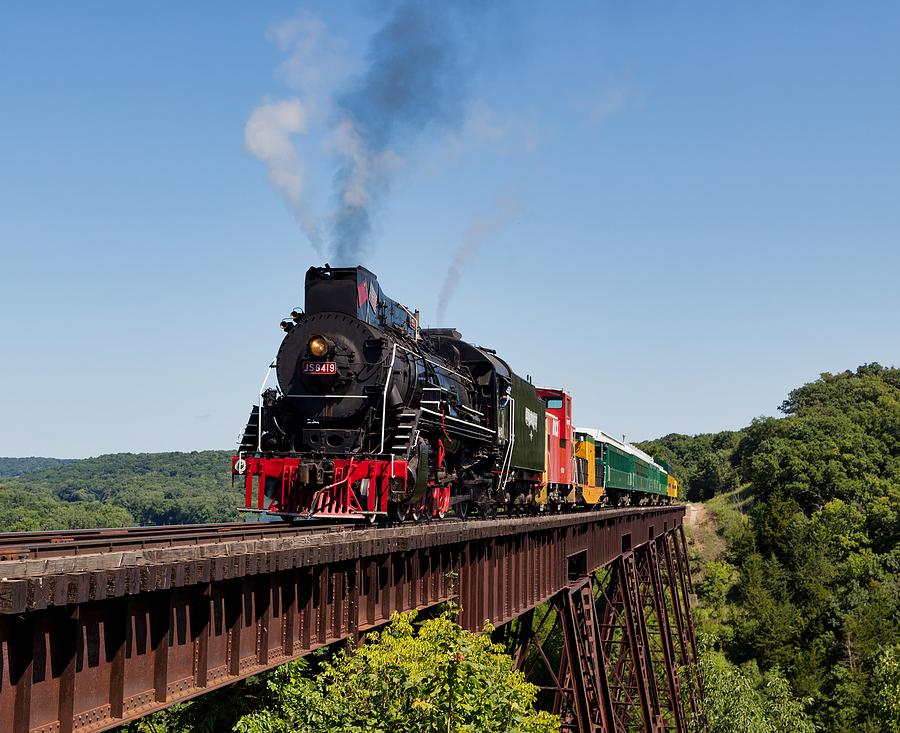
pixel 530 423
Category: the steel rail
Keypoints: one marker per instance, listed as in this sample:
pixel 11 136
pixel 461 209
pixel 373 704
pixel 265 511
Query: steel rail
pixel 69 542
pixel 63 543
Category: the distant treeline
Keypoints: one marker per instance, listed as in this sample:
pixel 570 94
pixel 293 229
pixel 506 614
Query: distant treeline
pixel 119 490
pixel 701 463
pixel 20 466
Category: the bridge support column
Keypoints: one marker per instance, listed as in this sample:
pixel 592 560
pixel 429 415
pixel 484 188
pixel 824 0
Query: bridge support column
pixel 612 651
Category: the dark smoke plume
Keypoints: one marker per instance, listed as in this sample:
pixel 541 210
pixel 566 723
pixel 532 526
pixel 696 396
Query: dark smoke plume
pixel 415 80
pixel 480 229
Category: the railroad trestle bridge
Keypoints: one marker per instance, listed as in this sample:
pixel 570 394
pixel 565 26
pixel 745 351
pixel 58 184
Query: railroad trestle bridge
pixel 97 629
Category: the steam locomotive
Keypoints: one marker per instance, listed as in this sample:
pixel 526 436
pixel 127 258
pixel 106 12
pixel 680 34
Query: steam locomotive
pixel 376 418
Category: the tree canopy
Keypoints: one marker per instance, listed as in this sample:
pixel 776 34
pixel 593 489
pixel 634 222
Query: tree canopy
pixel 814 590
pixel 438 679
pixel 701 463
pixel 122 489
pixel 20 466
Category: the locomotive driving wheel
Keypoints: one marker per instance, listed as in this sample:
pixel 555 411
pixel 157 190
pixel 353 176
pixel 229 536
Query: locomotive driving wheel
pixel 398 512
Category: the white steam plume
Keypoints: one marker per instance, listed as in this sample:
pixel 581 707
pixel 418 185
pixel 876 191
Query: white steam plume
pixel 268 135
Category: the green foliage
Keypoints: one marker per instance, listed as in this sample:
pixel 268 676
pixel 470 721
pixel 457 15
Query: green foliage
pixel 817 593
pixel 717 580
pixel 441 679
pixel 122 489
pixel 702 463
pixel 24 511
pixel 11 467
pixel 742 699
pixel 887 684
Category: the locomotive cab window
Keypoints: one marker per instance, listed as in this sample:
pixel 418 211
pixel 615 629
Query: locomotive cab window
pixel 554 403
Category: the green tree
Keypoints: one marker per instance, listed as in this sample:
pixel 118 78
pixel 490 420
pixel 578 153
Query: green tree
pixel 887 685
pixel 818 594
pixel 701 463
pixel 716 583
pixel 440 679
pixel 119 489
pixel 740 699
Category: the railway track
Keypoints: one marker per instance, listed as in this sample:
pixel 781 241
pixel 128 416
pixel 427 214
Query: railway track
pixel 66 543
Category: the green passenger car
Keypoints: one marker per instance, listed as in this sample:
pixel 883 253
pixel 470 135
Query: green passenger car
pixel 625 470
pixel 663 482
pixel 619 468
pixel 641 476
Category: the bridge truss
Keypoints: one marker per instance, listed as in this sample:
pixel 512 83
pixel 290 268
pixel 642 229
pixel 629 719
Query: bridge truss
pixel 97 630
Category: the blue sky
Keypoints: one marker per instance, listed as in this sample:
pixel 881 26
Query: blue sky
pixel 679 213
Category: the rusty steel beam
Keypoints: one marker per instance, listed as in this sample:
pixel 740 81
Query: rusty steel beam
pixel 89 642
pixel 627 647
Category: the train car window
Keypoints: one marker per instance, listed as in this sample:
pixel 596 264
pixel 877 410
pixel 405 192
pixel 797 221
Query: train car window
pixel 562 442
pixel 554 403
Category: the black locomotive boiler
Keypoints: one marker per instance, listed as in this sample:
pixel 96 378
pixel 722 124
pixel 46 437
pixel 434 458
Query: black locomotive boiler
pixel 373 416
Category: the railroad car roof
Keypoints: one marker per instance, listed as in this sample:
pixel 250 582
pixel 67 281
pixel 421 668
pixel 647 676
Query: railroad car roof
pixel 602 437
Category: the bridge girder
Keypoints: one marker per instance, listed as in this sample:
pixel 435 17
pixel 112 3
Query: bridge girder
pixel 89 643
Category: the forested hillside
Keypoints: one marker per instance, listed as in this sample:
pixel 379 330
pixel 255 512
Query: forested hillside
pixel 122 489
pixel 21 466
pixel 807 582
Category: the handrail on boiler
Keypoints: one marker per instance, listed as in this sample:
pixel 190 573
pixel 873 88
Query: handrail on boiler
pixel 262 389
pixel 387 385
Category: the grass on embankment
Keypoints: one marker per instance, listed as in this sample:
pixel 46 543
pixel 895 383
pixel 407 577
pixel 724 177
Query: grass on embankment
pixel 714 530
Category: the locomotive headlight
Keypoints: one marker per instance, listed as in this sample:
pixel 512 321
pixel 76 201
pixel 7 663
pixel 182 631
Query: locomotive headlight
pixel 318 346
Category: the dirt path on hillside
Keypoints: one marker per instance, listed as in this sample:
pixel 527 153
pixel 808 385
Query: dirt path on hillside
pixel 702 530
pixel 695 515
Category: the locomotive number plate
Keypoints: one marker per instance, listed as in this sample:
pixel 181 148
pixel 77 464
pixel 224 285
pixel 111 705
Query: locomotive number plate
pixel 319 367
